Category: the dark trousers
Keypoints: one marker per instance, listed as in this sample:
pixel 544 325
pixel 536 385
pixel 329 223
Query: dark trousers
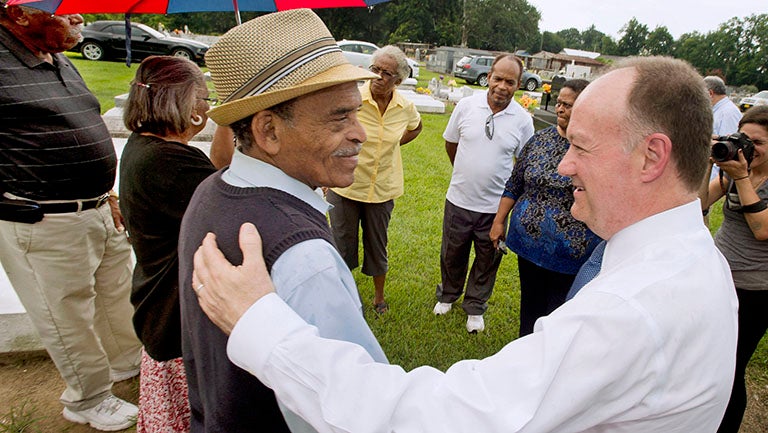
pixel 753 322
pixel 541 292
pixel 461 229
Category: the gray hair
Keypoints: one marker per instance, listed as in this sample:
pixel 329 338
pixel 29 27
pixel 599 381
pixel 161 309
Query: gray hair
pixel 242 128
pixel 715 84
pixel 391 51
pixel 163 95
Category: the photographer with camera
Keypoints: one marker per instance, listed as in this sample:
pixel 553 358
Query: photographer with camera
pixel 743 238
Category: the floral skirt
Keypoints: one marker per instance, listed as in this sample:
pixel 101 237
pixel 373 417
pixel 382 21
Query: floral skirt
pixel 163 397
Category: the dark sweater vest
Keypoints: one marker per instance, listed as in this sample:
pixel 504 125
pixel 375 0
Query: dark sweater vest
pixel 223 397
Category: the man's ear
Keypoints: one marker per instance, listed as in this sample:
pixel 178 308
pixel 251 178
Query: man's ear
pixel 657 153
pixel 17 15
pixel 263 129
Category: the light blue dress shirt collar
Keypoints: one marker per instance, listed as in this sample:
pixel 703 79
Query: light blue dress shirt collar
pixel 246 172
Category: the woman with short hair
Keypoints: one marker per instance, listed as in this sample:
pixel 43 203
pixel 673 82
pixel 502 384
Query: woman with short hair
pixel 159 171
pixel 390 121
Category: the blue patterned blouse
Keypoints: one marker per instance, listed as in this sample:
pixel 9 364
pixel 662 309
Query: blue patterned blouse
pixel 541 228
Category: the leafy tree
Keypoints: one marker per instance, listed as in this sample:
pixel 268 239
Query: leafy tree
pixel 756 63
pixel 738 48
pixel 446 30
pixel 552 42
pixel 592 39
pixel 356 23
pixel 571 38
pixel 608 46
pixel 742 46
pixel 209 23
pixel 501 25
pixel 633 39
pixel 659 42
pixel 433 21
pixel 430 21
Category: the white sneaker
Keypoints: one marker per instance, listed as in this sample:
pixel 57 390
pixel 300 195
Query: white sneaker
pixel 475 324
pixel 442 308
pixel 112 414
pixel 119 376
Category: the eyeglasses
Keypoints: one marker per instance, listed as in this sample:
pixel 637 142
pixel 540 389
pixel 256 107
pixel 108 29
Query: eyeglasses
pixel 211 101
pixel 489 127
pixel 565 105
pixel 381 72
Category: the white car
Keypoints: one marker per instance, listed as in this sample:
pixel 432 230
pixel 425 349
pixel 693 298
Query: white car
pixel 760 98
pixel 359 54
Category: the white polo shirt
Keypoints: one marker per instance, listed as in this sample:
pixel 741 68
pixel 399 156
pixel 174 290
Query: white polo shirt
pixel 483 165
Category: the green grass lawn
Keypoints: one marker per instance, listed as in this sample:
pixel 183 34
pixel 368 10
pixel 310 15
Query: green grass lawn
pixel 409 333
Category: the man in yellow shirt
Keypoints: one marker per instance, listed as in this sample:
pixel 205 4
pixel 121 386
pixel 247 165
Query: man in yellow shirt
pixel 390 120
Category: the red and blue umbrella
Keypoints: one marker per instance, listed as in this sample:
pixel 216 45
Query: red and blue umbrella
pixel 129 7
pixel 62 7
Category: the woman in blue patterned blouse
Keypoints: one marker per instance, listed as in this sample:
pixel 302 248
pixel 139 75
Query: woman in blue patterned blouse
pixel 550 244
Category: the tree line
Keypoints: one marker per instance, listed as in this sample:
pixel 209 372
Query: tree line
pixel 737 50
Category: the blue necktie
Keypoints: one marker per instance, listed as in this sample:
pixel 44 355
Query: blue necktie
pixel 588 271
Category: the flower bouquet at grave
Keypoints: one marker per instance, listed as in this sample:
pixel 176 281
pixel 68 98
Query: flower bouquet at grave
pixel 528 103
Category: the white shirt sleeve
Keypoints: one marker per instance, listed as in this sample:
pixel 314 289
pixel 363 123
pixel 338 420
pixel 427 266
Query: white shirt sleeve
pixel 647 346
pixel 545 382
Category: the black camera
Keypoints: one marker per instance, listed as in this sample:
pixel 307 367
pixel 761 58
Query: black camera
pixel 726 148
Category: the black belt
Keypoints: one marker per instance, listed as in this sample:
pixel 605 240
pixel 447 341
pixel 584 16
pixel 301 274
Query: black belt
pixel 74 206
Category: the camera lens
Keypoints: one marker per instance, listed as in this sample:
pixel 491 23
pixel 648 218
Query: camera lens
pixel 723 151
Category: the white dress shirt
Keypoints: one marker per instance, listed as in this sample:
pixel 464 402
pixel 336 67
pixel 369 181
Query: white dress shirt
pixel 647 346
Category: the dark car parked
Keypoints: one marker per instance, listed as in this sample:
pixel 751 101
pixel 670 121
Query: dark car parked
pixel 106 39
pixel 475 69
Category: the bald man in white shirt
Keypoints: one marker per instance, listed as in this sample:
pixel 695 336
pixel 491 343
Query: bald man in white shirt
pixel 646 346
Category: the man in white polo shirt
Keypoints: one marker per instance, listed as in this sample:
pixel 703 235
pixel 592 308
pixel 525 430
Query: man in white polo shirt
pixel 486 133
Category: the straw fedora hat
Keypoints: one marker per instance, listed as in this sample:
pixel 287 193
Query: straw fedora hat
pixel 274 58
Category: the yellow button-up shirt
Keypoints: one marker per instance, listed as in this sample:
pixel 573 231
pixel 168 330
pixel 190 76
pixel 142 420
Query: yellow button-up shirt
pixel 379 172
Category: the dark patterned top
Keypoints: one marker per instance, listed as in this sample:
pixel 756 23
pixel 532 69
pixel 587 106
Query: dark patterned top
pixel 541 228
pixel 53 143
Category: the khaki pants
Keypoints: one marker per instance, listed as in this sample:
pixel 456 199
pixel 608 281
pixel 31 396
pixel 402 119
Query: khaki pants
pixel 72 273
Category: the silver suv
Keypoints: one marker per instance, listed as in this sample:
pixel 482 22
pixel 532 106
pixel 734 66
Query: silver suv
pixel 475 69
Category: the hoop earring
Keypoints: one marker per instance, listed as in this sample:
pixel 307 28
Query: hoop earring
pixel 197 120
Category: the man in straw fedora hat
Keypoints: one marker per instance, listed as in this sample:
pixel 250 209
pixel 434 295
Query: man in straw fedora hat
pixel 291 99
